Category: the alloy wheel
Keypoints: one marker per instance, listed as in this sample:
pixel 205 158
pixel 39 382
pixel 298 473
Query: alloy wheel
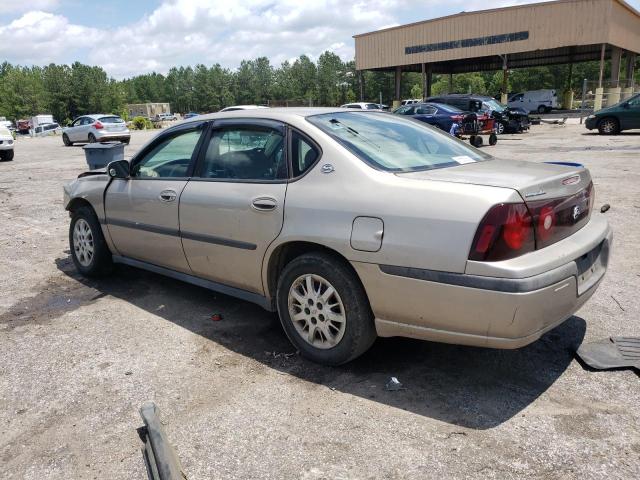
pixel 316 311
pixel 83 242
pixel 609 125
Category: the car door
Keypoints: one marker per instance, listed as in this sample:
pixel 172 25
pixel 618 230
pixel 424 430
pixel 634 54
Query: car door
pixel 142 211
pixel 233 208
pixel 74 130
pixel 425 113
pixel 629 114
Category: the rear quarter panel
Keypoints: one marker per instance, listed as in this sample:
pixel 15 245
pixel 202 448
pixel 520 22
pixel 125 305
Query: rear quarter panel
pixel 427 224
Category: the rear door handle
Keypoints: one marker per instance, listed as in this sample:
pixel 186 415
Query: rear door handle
pixel 168 195
pixel 264 204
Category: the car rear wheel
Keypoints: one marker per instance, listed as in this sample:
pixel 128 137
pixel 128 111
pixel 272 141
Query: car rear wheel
pixel 324 309
pixel 542 109
pixel 608 126
pixel 92 138
pixel 89 249
pixel 65 140
pixel 6 155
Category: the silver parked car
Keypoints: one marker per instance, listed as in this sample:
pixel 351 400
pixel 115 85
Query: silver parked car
pixel 96 128
pixel 351 225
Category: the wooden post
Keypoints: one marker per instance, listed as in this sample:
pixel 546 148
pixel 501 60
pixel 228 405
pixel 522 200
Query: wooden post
pixel 398 81
pixel 616 57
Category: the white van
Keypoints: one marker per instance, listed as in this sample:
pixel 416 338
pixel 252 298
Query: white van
pixel 540 101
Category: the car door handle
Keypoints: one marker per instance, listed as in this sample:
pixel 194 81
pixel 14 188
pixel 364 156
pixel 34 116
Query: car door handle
pixel 168 195
pixel 264 204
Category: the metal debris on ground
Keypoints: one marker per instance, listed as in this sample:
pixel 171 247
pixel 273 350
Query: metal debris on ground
pixel 216 317
pixel 614 352
pixel 393 385
pixel 280 355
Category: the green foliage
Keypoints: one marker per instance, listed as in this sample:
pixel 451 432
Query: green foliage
pixel 67 91
pixel 141 123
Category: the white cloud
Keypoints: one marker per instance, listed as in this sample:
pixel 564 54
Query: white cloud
pixel 187 32
pixel 40 37
pixel 12 6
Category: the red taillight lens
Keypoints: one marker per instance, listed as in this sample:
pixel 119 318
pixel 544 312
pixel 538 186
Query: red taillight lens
pixel 506 231
pixel 98 125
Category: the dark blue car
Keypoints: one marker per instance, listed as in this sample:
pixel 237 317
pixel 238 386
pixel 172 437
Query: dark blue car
pixel 436 114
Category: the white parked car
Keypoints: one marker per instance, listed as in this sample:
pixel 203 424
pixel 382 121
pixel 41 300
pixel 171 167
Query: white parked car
pixel 161 117
pixel 46 129
pixel 362 106
pixel 242 107
pixel 410 101
pixel 541 101
pixel 96 128
pixel 6 144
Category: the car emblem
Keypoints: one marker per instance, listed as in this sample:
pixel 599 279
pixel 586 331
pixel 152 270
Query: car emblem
pixel 576 212
pixel 327 168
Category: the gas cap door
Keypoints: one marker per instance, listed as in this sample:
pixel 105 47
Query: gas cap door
pixel 367 233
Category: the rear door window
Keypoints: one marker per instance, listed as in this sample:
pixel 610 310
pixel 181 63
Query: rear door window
pixel 253 153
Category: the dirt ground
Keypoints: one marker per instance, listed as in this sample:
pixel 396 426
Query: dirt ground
pixel 78 358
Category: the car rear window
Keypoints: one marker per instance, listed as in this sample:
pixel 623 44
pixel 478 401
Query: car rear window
pixel 111 119
pixel 395 143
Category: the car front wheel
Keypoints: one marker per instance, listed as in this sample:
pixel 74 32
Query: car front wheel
pixel 608 126
pixel 324 309
pixel 6 155
pixel 499 128
pixel 89 250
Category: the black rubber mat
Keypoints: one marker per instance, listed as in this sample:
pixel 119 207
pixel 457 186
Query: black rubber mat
pixel 614 352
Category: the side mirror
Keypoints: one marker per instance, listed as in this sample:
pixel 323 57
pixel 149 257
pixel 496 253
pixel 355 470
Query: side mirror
pixel 119 169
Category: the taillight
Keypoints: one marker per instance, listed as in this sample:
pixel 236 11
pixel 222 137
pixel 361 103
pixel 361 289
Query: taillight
pixel 506 231
pixel 98 125
pixel 457 118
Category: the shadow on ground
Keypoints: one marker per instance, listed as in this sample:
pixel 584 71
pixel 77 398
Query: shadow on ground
pixel 471 387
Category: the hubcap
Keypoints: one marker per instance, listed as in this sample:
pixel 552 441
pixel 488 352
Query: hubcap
pixel 499 128
pixel 83 242
pixel 608 126
pixel 317 312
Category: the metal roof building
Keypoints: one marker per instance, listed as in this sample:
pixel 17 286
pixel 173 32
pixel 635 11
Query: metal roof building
pixel 562 31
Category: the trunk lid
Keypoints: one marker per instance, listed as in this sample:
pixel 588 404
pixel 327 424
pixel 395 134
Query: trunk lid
pixel 113 124
pixel 534 181
pixel 559 198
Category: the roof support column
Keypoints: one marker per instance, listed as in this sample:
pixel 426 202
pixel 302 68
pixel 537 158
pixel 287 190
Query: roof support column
pixel 361 84
pixel 602 50
pixel 631 65
pixel 616 56
pixel 505 81
pixel 398 82
pixel 427 80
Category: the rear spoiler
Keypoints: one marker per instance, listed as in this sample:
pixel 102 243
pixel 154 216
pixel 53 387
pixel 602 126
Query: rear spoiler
pixel 159 457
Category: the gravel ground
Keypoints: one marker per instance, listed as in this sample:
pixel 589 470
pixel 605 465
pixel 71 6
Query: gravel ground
pixel 78 357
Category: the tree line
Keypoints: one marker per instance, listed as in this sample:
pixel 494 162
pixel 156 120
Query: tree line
pixel 67 91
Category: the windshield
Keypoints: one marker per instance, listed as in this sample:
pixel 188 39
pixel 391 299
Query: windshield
pixel 494 105
pixel 394 143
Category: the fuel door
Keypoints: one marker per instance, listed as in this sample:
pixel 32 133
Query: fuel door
pixel 367 233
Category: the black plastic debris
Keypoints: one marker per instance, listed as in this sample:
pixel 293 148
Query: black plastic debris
pixel 614 352
pixel 159 457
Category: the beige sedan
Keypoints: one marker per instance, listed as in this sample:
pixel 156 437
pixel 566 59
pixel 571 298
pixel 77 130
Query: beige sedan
pixel 351 225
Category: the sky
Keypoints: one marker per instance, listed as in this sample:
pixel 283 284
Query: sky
pixel 130 37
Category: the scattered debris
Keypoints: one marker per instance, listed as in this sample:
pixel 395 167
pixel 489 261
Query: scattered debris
pixel 280 355
pixel 614 352
pixel 393 385
pixel 615 300
pixel 216 317
pixel 605 208
pixel 128 372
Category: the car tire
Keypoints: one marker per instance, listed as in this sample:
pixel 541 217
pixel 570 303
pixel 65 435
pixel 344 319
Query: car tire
pixel 92 138
pixel 500 128
pixel 542 109
pixel 609 126
pixel 66 141
pixel 126 142
pixel 335 341
pixel 89 250
pixel 6 155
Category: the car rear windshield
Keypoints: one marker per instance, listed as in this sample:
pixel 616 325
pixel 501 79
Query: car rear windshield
pixel 111 119
pixel 394 143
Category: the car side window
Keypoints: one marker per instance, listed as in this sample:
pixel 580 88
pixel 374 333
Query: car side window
pixel 425 110
pixel 77 122
pixel 245 153
pixel 86 121
pixel 634 103
pixel 303 154
pixel 168 158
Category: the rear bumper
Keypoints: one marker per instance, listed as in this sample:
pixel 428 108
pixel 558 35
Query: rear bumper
pixel 108 136
pixel 483 311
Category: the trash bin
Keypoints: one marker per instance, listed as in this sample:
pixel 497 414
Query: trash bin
pixel 99 155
